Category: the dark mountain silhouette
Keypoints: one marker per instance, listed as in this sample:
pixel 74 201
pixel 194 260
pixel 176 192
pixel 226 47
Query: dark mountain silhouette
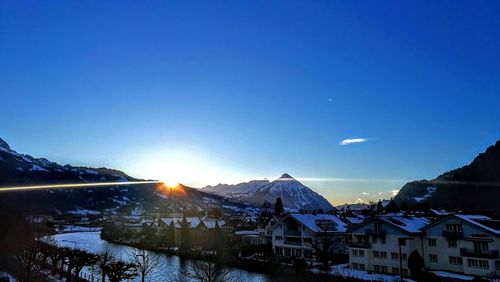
pixel 474 187
pixel 20 170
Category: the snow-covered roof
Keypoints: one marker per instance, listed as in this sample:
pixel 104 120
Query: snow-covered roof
pixel 355 219
pixel 440 212
pixel 411 224
pixel 482 221
pixel 210 223
pixel 314 222
pixel 246 232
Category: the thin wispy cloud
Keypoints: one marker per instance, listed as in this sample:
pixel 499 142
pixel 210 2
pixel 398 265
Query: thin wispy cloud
pixel 353 141
pixel 364 193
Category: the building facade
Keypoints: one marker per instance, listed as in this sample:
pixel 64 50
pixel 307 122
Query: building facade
pixel 384 243
pixel 296 235
pixel 466 244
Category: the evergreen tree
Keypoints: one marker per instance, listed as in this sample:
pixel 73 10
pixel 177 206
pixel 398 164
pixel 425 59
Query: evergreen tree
pixel 380 207
pixel 185 235
pixel 278 207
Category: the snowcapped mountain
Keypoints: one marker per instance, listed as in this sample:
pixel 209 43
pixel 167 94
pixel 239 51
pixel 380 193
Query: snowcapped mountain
pixel 294 194
pixel 19 169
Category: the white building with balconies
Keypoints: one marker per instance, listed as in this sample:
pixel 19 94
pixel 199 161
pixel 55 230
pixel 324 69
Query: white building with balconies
pixel 466 244
pixel 293 235
pixel 384 243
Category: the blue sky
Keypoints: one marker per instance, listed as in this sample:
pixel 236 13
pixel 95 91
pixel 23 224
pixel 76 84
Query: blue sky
pixel 225 91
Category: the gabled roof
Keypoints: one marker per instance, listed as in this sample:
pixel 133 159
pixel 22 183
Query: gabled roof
pixel 409 224
pixel 314 222
pixel 481 221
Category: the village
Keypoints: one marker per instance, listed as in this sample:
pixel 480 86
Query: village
pixel 371 244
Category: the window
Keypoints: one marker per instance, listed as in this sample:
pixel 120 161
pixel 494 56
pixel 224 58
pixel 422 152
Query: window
pixel 452 243
pixel 433 258
pixel 358 266
pixel 395 256
pixel 475 263
pixel 480 245
pixel 383 255
pixel 431 242
pixel 395 270
pixel 382 241
pixel 278 238
pixel 376 254
pixel 358 253
pixel 455 260
pixel 378 227
pixel 454 227
pixel 308 240
pixel 403 257
pixel 380 268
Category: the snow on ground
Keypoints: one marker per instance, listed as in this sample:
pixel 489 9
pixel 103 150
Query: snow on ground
pixel 430 191
pixel 74 228
pixel 80 211
pixel 345 271
pixel 37 168
pixel 453 275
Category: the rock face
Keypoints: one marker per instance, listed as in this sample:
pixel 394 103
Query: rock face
pixel 294 194
pixel 474 187
pixel 19 170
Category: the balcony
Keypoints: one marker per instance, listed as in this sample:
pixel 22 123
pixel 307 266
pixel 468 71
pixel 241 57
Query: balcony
pixel 375 232
pixel 454 235
pixel 362 245
pixel 485 254
pixel 296 233
pixel 293 241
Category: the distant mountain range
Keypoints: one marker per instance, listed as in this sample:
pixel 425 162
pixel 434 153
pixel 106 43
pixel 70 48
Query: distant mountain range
pixel 294 194
pixel 20 169
pixel 474 187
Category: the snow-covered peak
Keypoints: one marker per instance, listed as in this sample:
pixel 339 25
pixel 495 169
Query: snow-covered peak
pixel 286 176
pixel 295 195
pixel 4 146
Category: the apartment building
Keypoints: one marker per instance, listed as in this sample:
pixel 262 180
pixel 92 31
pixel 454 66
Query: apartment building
pixel 384 243
pixel 294 235
pixel 466 244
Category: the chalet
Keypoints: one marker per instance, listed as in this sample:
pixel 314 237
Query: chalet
pixel 294 235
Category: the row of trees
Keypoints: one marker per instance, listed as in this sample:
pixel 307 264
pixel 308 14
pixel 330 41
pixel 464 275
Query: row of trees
pixel 68 263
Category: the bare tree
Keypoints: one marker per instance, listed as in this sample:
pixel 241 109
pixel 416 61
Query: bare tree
pixel 323 248
pixel 103 259
pixel 209 271
pixel 144 261
pixel 118 271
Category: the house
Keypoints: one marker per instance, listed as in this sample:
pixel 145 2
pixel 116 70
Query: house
pixel 199 228
pixel 384 243
pixel 294 235
pixel 466 244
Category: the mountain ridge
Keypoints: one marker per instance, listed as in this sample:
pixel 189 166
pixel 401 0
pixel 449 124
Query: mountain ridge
pixel 294 194
pixel 474 187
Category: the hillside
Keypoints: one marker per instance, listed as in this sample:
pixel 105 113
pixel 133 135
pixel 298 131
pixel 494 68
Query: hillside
pixel 20 169
pixel 474 187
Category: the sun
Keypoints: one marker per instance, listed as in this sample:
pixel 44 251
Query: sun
pixel 169 184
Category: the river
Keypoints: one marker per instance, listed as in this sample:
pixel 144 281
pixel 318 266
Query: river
pixel 168 267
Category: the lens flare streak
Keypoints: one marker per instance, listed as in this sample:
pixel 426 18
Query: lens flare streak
pixel 75 185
